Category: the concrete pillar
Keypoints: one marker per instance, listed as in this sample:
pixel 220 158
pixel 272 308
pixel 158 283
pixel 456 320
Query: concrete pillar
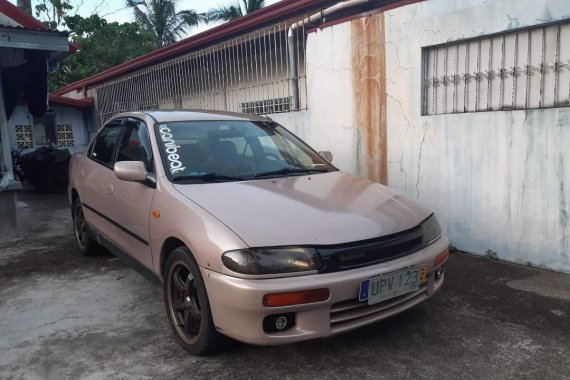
pixel 7 157
pixel 9 189
pixel 369 86
pixel 9 212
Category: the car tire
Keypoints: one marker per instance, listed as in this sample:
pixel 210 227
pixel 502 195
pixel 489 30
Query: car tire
pixel 87 246
pixel 188 307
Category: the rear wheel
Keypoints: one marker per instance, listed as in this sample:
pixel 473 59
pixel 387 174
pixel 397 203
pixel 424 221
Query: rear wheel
pixel 188 307
pixel 87 246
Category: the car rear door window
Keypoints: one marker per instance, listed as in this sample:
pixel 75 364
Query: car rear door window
pixel 105 143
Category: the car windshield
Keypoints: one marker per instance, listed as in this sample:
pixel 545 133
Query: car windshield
pixel 233 151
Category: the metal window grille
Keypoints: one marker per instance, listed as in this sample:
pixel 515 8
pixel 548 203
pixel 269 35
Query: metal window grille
pixel 24 136
pixel 259 72
pixel 523 69
pixel 65 135
pixel 267 106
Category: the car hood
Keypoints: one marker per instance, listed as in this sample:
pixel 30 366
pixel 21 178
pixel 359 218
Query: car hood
pixel 321 209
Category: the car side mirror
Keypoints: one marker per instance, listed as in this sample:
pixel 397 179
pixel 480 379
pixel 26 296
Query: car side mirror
pixel 132 171
pixel 326 155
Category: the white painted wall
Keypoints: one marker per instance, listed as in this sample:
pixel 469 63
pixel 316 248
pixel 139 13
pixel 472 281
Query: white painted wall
pixel 328 124
pixel 63 115
pixel 297 122
pixel 498 180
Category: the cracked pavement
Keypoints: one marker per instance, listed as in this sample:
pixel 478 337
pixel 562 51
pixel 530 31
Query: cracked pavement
pixel 65 316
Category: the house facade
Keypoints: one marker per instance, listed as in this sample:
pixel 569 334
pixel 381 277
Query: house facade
pixel 461 104
pixel 27 48
pixel 65 125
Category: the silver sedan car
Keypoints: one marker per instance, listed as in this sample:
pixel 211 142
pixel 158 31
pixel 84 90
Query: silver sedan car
pixel 252 234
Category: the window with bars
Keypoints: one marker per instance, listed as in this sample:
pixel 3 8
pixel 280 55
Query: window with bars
pixel 263 71
pixel 522 69
pixel 267 106
pixel 65 135
pixel 24 136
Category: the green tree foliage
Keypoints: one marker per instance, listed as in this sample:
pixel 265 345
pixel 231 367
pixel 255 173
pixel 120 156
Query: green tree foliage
pixel 237 10
pixel 161 19
pixel 102 45
pixel 53 12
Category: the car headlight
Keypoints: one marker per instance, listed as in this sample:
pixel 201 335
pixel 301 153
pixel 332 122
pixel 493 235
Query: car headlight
pixel 272 260
pixel 431 230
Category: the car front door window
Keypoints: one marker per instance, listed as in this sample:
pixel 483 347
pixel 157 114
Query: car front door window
pixel 135 144
pixel 104 145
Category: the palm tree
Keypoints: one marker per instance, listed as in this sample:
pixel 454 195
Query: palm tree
pixel 237 10
pixel 161 19
pixel 25 5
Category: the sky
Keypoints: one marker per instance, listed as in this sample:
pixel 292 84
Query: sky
pixel 115 10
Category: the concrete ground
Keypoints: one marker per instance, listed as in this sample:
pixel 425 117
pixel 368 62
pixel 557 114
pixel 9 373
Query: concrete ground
pixel 64 316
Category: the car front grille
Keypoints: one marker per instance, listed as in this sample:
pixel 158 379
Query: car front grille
pixel 351 314
pixel 369 252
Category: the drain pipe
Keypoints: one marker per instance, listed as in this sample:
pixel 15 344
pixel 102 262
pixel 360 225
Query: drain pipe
pixel 292 42
pixel 294 75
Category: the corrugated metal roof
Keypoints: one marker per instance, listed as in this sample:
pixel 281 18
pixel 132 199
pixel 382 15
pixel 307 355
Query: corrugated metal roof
pixel 49 31
pixel 55 99
pixel 26 21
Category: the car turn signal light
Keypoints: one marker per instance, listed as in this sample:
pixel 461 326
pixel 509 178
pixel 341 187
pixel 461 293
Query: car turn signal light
pixel 296 298
pixel 440 259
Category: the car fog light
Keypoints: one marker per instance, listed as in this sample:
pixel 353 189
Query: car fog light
pixel 278 322
pixel 281 322
pixel 438 273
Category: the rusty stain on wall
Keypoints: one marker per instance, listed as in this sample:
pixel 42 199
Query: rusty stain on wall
pixel 369 86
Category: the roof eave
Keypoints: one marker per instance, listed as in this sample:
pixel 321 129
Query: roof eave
pixel 281 10
pixel 29 22
pixel 59 100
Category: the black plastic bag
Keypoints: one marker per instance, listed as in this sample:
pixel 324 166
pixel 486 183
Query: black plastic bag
pixel 46 168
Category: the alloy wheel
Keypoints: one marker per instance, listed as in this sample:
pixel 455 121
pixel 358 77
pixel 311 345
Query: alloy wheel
pixel 80 226
pixel 183 302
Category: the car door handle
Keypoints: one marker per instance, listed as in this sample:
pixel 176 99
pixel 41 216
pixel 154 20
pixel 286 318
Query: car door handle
pixel 109 189
pixel 81 174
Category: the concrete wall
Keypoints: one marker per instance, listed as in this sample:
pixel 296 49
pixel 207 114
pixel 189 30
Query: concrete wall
pixel 63 115
pixel 346 96
pixel 329 122
pixel 498 180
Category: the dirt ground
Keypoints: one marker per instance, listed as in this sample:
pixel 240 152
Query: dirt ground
pixel 66 316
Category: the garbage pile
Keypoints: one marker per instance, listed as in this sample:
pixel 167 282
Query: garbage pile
pixel 46 169
pixel 17 165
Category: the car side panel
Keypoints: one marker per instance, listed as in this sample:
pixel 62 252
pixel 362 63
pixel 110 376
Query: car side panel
pixel 204 235
pixel 90 178
pixel 128 204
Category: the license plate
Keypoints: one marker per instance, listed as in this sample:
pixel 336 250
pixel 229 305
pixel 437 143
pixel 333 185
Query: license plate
pixel 394 284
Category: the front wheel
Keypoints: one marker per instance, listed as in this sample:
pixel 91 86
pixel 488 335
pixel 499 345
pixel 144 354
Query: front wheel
pixel 188 307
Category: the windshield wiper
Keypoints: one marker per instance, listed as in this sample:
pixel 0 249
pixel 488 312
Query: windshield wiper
pixel 287 170
pixel 208 177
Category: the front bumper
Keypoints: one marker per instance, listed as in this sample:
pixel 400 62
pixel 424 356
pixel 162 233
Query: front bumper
pixel 238 311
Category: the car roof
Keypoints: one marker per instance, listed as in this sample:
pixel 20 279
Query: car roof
pixel 192 115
